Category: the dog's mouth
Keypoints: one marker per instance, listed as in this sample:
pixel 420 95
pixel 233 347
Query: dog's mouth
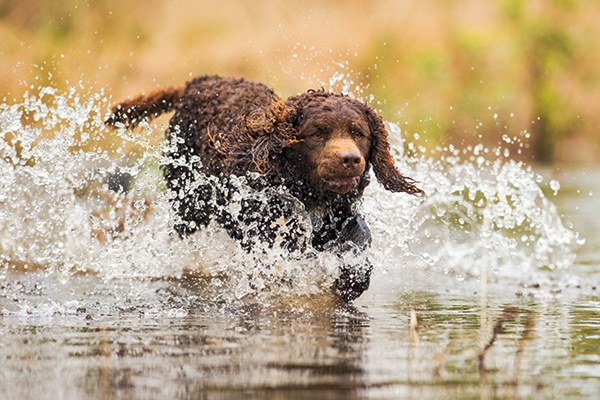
pixel 342 184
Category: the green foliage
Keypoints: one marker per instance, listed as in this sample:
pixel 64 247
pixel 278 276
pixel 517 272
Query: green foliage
pixel 548 50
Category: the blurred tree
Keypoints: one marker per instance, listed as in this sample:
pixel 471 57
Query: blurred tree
pixel 547 50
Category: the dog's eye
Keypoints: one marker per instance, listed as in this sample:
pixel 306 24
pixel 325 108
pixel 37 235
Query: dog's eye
pixel 318 134
pixel 357 133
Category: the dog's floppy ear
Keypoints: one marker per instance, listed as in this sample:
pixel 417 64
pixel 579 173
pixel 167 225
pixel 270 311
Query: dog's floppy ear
pixel 382 160
pixel 265 132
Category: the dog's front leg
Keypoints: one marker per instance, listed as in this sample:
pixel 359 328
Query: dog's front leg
pixel 354 278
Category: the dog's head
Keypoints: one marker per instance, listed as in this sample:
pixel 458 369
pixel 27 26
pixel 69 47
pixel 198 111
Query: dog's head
pixel 337 139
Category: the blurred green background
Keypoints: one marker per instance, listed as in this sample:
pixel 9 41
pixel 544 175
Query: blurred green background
pixel 523 74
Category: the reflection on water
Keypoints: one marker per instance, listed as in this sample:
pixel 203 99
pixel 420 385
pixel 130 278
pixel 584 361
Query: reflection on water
pixel 164 339
pixel 106 351
pixel 476 291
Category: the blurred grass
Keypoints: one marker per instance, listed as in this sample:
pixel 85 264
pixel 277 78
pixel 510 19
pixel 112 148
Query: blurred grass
pixel 452 72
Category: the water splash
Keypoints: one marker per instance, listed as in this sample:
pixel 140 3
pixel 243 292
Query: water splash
pixel 59 213
pixel 477 212
pixel 482 210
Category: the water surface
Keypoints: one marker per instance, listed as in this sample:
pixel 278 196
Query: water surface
pixel 488 288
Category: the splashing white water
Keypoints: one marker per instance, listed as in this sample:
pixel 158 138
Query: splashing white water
pixel 58 214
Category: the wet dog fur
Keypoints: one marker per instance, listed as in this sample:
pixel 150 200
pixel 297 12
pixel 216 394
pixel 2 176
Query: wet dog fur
pixel 316 148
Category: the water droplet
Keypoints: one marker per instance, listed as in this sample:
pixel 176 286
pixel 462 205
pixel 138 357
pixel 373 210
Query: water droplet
pixel 555 186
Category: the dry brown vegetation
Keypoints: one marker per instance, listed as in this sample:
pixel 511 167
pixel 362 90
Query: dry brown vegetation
pixel 459 72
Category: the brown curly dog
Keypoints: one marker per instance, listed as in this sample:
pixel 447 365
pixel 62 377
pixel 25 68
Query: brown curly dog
pixel 310 153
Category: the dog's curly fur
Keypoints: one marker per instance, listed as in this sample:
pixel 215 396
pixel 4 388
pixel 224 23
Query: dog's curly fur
pixel 315 147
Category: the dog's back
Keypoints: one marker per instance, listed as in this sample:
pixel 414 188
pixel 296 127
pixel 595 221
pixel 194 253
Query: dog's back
pixel 212 113
pixel 221 126
pixel 209 112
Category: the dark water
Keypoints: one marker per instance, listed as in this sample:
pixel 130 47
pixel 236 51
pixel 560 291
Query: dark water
pixel 486 289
